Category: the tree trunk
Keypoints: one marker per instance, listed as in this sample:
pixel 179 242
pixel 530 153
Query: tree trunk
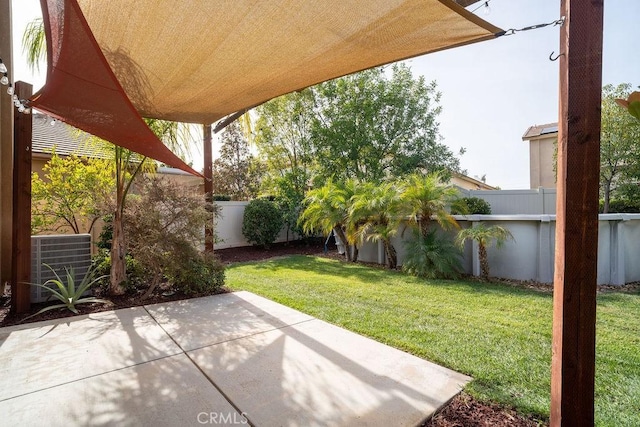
pixel 154 284
pixel 343 238
pixel 392 255
pixel 607 197
pixel 424 226
pixel 355 253
pixel 118 251
pixel 484 261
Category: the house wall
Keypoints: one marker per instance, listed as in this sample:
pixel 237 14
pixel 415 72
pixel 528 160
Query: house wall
pixel 541 172
pixel 530 256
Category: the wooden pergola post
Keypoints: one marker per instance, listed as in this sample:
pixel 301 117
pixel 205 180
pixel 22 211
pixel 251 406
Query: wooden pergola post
pixel 574 305
pixel 208 185
pixel 6 148
pixel 21 236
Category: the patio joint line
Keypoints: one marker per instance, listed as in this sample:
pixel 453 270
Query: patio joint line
pixel 250 335
pixel 92 376
pixel 228 399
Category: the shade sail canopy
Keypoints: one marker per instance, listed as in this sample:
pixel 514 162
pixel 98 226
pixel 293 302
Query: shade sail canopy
pixel 197 61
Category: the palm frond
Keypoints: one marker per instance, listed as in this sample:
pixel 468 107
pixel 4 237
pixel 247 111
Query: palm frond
pixel 34 44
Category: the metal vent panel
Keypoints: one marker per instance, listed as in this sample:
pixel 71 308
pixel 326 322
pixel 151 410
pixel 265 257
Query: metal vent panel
pixel 58 251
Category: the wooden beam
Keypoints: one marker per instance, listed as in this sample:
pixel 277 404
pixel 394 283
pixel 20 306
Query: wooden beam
pixel 6 149
pixel 574 305
pixel 228 120
pixel 208 185
pixel 21 236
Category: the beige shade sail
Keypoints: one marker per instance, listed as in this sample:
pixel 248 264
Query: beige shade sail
pixel 198 61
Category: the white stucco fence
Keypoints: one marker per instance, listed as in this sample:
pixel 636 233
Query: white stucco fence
pixel 228 226
pixel 517 202
pixel 530 256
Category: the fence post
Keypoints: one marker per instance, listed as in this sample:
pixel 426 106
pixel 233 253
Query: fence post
pixel 545 257
pixel 616 251
pixel 475 258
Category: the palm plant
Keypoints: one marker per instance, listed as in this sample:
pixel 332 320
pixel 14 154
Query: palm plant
pixel 327 210
pixel 426 196
pixel 431 256
pixel 484 236
pixel 34 44
pixel 67 292
pixel 375 216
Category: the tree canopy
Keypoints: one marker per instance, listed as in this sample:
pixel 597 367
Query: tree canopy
pixel 369 126
pixel 72 193
pixel 619 147
pixel 379 123
pixel 236 172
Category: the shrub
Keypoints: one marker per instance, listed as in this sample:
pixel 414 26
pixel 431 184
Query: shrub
pixel 101 265
pixel 106 235
pixel 262 222
pixel 164 228
pixel 220 197
pixel 431 257
pixel 472 206
pixel 621 206
pixel 202 273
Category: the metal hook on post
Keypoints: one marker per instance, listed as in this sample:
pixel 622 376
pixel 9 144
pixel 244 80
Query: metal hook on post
pixel 551 58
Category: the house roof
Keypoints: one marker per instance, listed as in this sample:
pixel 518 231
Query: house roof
pixel 67 140
pixel 540 130
pixel 480 185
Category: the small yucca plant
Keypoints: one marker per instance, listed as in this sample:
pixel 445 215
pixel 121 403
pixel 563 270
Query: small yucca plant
pixel 67 292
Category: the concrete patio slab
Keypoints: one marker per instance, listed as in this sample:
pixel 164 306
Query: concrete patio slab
pixel 316 374
pixel 242 355
pixel 200 322
pixel 166 392
pixel 45 354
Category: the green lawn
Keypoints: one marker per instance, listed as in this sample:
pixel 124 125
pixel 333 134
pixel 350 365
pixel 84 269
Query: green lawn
pixel 499 335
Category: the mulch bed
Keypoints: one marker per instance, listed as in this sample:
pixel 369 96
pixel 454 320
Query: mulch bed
pixel 227 256
pixel 462 411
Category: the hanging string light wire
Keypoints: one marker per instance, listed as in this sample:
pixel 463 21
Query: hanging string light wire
pixel 20 104
pixel 484 4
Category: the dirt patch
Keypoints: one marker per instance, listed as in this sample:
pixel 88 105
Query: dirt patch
pixel 465 411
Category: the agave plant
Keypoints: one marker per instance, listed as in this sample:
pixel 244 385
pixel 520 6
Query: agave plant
pixel 67 292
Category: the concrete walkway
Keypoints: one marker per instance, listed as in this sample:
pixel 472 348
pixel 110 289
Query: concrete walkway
pixel 228 359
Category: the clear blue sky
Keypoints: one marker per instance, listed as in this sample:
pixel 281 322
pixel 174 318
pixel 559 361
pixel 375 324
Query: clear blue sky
pixel 491 91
